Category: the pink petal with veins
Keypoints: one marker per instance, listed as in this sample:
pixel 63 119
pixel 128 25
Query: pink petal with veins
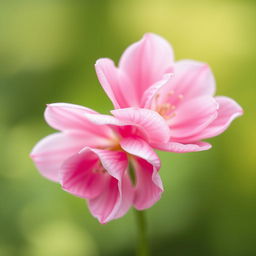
pixel 142 65
pixel 148 186
pixel 193 116
pixel 150 122
pixel 228 110
pixel 50 152
pixel 100 176
pixel 70 117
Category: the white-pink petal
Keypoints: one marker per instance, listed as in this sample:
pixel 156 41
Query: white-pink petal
pixel 50 152
pixel 148 121
pixel 70 117
pixel 116 84
pixel 178 147
pixel 108 77
pixel 191 79
pixel 103 120
pixel 140 148
pixel 228 110
pixel 193 116
pixel 146 61
pixel 151 93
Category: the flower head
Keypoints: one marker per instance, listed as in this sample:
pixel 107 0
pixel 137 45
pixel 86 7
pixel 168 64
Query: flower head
pixel 181 92
pixel 159 103
pixel 91 154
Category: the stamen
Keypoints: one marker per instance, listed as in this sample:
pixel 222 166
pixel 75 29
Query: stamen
pixel 166 109
pixel 157 97
pixel 155 101
pixel 171 115
pixel 170 93
pixel 180 96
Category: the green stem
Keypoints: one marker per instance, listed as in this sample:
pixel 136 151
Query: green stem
pixel 143 249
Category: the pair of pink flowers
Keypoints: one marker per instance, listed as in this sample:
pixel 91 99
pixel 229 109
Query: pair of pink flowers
pixel 159 104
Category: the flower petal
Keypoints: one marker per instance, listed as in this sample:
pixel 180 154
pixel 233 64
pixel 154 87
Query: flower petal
pixel 146 61
pixel 50 152
pixel 114 162
pixel 114 202
pixel 191 79
pixel 116 84
pixel 101 177
pixel 177 147
pixel 118 192
pixel 148 187
pixel 70 117
pixel 151 93
pixel 140 148
pixel 79 175
pixel 227 112
pixel 101 119
pixel 192 117
pixel 104 206
pixel 127 197
pixel 108 76
pixel 149 122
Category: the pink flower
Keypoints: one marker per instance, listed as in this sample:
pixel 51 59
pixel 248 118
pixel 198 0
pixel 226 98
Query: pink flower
pixel 181 92
pixel 91 154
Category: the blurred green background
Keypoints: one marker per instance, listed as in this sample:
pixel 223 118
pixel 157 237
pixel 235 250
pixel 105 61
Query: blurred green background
pixel 47 53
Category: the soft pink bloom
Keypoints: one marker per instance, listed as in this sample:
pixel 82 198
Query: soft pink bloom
pixel 91 154
pixel 181 92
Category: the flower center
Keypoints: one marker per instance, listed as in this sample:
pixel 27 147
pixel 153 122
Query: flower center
pixel 164 107
pixel 115 147
pixel 114 144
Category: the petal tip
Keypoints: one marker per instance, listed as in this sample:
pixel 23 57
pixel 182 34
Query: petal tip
pixel 50 105
pixel 240 112
pixel 147 35
pixel 150 35
pixel 102 222
pixel 101 60
pixel 32 156
pixel 101 219
pixel 206 147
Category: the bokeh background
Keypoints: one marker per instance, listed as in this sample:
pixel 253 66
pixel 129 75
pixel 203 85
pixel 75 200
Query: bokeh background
pixel 47 53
